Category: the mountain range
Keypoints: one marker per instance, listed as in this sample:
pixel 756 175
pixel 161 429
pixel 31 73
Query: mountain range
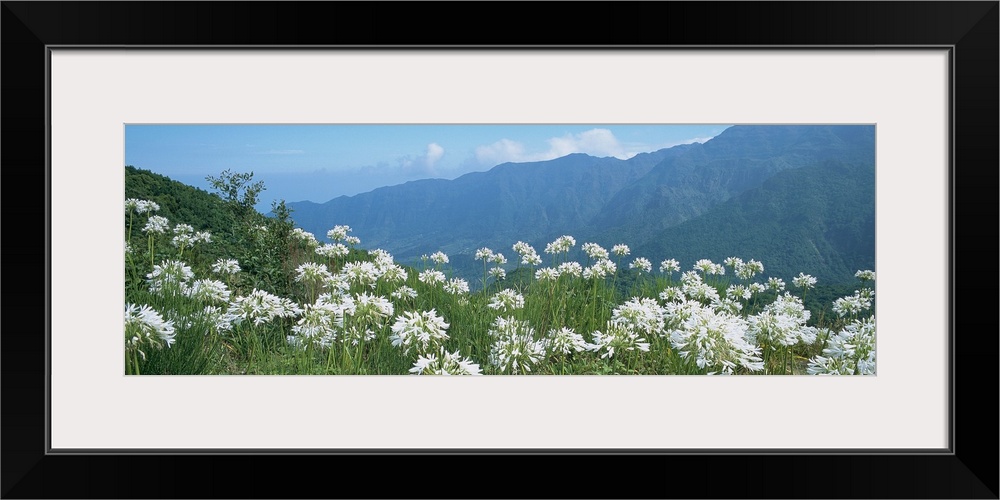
pixel 800 198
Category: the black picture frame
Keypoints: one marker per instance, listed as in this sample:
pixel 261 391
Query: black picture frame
pixel 968 470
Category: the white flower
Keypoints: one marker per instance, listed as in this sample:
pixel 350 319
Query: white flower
pixel 546 274
pixel 304 236
pixel 600 269
pixel 260 307
pixel 669 265
pixel 865 275
pixel 318 325
pixel 498 259
pixel 145 326
pixel 332 250
pixel 531 259
pixel 506 300
pixel 618 336
pixel 208 291
pixel 352 240
pixel 515 349
pixel 393 274
pixel 804 281
pixel 156 224
pixel 431 277
pixel 141 206
pixel 456 286
pixel 594 251
pixel 854 304
pixel 737 292
pixel 565 341
pixel 444 363
pixel 562 244
pixel 362 273
pixel 371 309
pixel 498 273
pixel 783 322
pixel 620 250
pixel 404 291
pixel 169 278
pixel 338 233
pixel 716 342
pixel 849 352
pixel 570 269
pixel 226 266
pixel 642 314
pixel 776 284
pixel 312 273
pixel 484 254
pixel 439 258
pixel 642 264
pixel 420 330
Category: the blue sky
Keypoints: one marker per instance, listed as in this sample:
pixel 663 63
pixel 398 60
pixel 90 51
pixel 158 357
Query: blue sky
pixel 321 162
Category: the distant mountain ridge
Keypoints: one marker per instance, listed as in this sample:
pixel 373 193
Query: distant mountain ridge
pixel 636 201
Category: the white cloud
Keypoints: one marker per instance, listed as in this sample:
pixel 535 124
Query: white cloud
pixel 434 153
pixel 499 152
pixel 594 142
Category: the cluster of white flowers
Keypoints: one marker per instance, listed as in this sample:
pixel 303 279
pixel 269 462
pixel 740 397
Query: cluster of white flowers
pixel 498 273
pixel 641 263
pixel 226 266
pixel 439 258
pixel 738 292
pixel 361 273
pixel 715 341
pixel 352 240
pixel 594 251
pixel 528 254
pixel 156 225
pixel 206 290
pixel 456 286
pixel 865 275
pixel 562 244
pixel 547 274
pixel 145 326
pixel 708 267
pixel 423 331
pixel 141 206
pixel 318 325
pixel 782 322
pixel 601 269
pixel 621 250
pixel 571 268
pixel 565 341
pixel 260 307
pixel 618 336
pixel 338 233
pixel 643 314
pixel 305 237
pixel 749 269
pixel 371 310
pixel 185 236
pixel 804 281
pixel 515 349
pixel 312 273
pixel 332 250
pixel 695 288
pixel 849 352
pixel 669 266
pixel 506 300
pixel 444 363
pixel 854 304
pixel 431 277
pixel 404 292
pixel 169 278
pixel 776 284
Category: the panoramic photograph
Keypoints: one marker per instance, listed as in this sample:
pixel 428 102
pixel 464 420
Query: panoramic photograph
pixel 480 249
